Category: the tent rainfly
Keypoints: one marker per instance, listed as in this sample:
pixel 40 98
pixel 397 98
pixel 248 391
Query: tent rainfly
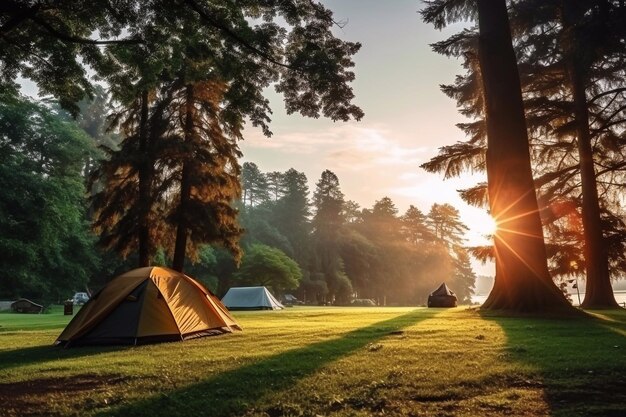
pixel 148 305
pixel 442 297
pixel 250 298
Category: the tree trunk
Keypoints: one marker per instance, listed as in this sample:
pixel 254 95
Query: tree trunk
pixel 180 246
pixel 522 281
pixel 598 292
pixel 146 169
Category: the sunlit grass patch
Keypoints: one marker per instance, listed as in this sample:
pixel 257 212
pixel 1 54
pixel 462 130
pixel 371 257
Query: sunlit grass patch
pixel 331 362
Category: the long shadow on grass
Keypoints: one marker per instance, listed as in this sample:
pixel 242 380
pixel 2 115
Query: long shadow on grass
pixel 579 363
pixel 15 358
pixel 232 392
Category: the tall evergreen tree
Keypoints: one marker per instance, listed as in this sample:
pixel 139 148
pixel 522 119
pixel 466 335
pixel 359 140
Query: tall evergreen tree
pixel 275 185
pixel 292 215
pixel 522 278
pixel 448 230
pixel 445 225
pixel 544 50
pixel 415 226
pixel 328 204
pixel 254 185
pixel 203 159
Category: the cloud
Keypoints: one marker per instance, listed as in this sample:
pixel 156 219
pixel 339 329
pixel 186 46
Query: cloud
pixel 298 143
pixel 366 148
pixel 345 147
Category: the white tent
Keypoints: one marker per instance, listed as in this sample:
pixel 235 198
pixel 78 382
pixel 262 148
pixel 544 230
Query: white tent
pixel 250 298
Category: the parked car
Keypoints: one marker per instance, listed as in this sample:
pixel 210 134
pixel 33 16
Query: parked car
pixel 80 298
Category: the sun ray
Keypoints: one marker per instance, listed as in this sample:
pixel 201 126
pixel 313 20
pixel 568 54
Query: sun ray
pixel 510 206
pixel 518 216
pixel 517 255
pixel 516 232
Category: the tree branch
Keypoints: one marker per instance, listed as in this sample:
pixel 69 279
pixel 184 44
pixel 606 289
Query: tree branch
pixel 75 39
pixel 230 33
pixel 606 93
pixel 18 18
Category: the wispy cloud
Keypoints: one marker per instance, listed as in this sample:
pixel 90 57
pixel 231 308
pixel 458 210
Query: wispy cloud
pixel 346 147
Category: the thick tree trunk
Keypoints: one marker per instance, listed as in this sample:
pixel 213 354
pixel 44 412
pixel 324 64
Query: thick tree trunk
pixel 522 281
pixel 146 174
pixel 180 247
pixel 598 292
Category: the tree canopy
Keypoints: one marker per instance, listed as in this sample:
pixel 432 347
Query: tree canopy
pixel 47 249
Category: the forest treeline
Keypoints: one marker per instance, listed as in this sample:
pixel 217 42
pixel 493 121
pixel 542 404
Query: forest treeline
pixel 319 246
pixel 345 251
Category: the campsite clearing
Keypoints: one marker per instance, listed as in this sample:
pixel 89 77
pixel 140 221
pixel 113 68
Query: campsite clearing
pixel 307 361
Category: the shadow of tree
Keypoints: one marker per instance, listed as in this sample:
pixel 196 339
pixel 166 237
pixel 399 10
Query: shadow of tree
pixel 15 358
pixel 232 392
pixel 579 363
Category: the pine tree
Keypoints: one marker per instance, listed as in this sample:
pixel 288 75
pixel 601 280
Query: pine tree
pixel 292 215
pixel 522 278
pixel 543 48
pixel 414 226
pixel 254 184
pixel 328 203
pixel 448 231
pixel 203 160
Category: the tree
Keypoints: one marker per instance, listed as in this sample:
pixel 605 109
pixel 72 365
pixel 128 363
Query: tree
pixel 392 258
pixel 579 61
pixel 205 45
pixel 127 213
pixel 47 249
pixel 254 185
pixel 351 211
pixel 275 184
pixel 291 215
pixel 414 226
pixel 270 267
pixel 249 47
pixel 382 220
pixel 203 159
pixel 448 230
pixel 522 279
pixel 545 52
pixel 48 42
pixel 328 204
pixel 445 225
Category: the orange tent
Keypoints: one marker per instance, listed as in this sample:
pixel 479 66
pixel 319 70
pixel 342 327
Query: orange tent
pixel 147 305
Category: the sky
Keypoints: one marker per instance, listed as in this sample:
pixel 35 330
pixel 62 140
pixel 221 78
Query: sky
pixel 407 118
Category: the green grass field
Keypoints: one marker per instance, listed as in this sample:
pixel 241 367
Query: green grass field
pixel 327 362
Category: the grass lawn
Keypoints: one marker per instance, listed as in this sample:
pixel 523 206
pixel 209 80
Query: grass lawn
pixel 327 361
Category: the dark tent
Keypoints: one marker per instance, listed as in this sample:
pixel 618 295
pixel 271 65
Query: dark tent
pixel 442 297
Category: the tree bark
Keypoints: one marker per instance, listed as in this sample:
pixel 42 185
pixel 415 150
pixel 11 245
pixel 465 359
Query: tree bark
pixel 522 281
pixel 180 247
pixel 598 292
pixel 146 175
